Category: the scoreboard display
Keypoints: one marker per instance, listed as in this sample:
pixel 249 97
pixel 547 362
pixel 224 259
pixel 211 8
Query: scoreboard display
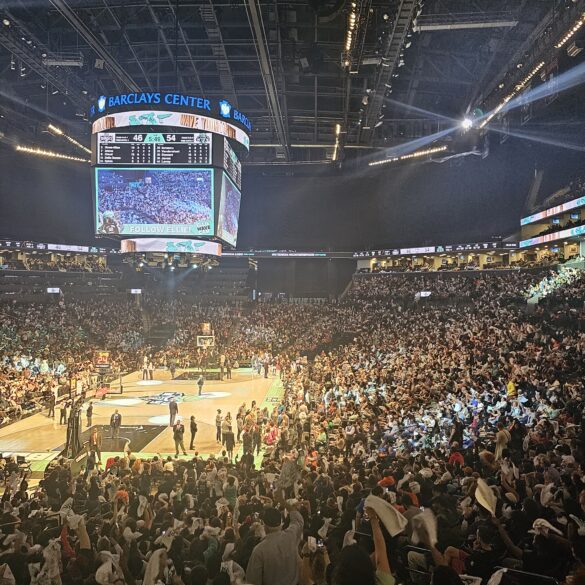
pixel 154 148
pixel 232 164
pixel 167 174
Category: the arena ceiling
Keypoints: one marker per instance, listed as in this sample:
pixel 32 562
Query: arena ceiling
pixel 413 66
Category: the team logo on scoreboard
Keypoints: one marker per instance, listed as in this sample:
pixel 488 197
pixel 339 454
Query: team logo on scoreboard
pixel 101 103
pixel 225 109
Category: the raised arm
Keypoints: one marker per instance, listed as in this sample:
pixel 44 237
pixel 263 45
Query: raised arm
pixel 382 563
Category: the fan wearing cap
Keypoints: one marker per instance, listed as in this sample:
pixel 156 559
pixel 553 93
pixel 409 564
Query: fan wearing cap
pixel 274 561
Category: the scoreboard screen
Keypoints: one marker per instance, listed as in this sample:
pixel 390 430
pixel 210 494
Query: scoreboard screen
pixel 229 211
pixel 154 148
pixel 150 201
pixel 232 164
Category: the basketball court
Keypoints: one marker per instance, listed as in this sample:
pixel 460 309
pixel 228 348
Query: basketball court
pixel 143 405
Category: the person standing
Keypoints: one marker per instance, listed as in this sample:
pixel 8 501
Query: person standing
pixel 52 401
pixel 200 382
pixel 115 424
pixel 145 368
pixel 228 369
pixel 150 370
pixel 247 441
pixel 193 429
pixel 456 433
pixel 221 366
pixel 173 411
pixel 240 425
pixel 275 559
pixel 173 369
pixel 63 413
pixel 503 437
pixel 95 442
pixel 229 441
pixel 178 435
pixel 218 421
pixel 256 439
pixel 89 414
pixel 90 464
pixel 225 425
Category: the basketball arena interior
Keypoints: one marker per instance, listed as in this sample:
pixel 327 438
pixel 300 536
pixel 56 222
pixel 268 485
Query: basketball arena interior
pixel 292 292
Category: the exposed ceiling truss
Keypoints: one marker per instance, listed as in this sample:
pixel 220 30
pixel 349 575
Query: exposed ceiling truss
pixel 282 62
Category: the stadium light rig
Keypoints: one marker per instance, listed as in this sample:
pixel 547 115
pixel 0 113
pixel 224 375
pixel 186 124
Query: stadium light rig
pixel 350 33
pixel 50 154
pixel 578 24
pixel 466 123
pixel 519 87
pixel 336 148
pixel 60 132
pixel 415 154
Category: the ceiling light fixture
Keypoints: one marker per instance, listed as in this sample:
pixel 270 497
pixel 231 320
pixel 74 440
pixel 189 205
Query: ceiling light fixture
pixel 415 154
pixel 50 154
pixel 517 89
pixel 578 24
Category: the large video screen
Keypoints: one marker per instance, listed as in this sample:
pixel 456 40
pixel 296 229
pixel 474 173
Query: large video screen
pixel 141 201
pixel 229 211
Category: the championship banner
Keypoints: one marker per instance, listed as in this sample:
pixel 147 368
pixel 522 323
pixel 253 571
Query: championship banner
pixel 175 119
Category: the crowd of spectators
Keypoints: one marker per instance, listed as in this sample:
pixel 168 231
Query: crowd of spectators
pixel 45 346
pixel 158 197
pixel 60 263
pixel 558 226
pixel 440 443
pixel 566 279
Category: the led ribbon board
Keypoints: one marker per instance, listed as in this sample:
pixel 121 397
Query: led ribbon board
pixel 174 119
pixel 170 245
pixel 579 202
pixel 562 235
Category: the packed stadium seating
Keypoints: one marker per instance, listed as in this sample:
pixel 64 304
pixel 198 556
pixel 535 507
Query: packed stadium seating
pixel 463 404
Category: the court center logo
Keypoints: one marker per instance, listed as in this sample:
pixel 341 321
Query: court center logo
pixel 101 103
pixel 163 398
pixel 225 109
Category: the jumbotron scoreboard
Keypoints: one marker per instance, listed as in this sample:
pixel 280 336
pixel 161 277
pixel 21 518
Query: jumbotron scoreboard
pixel 154 148
pixel 167 165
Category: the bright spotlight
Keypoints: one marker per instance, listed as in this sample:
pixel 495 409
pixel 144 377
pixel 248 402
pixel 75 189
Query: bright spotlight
pixel 466 123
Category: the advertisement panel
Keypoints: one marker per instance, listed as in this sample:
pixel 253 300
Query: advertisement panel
pixel 579 202
pixel 174 119
pixel 170 245
pixel 562 235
